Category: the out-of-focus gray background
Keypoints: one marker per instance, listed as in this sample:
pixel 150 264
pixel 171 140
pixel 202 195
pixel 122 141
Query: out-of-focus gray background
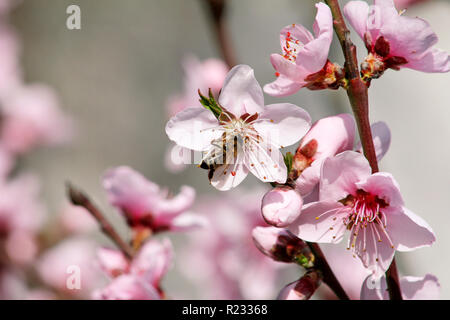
pixel 115 74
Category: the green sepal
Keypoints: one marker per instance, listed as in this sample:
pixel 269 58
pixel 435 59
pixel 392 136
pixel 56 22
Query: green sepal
pixel 288 160
pixel 210 103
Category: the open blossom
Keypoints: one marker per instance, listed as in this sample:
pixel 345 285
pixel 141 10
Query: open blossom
pixel 31 117
pixel 412 288
pixel 246 136
pixel 369 206
pixel 145 205
pixel 222 259
pixel 199 75
pixel 136 279
pixel 394 40
pixel 304 61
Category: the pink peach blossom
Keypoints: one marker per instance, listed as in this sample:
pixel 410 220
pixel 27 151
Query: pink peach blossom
pixel 31 117
pixel 395 40
pixel 145 204
pixel 139 278
pixel 303 54
pixel 246 137
pixel 413 288
pixel 402 4
pixel 369 205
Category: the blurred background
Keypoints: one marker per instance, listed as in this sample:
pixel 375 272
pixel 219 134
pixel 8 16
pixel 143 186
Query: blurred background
pixel 114 76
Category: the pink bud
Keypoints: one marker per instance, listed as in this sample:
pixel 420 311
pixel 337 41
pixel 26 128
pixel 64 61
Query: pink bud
pixel 301 289
pixel 281 206
pixel 279 244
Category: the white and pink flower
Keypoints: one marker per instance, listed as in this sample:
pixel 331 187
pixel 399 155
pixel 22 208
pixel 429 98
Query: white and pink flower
pixel 395 40
pixel 369 206
pixel 247 135
pixel 304 61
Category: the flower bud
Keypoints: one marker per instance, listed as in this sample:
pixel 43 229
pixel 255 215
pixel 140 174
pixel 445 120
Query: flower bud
pixel 281 206
pixel 281 245
pixel 303 288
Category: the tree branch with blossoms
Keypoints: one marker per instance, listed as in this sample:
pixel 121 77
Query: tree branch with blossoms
pixel 357 92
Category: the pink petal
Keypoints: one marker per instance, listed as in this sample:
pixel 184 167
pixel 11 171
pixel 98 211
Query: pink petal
pixel 127 287
pixel 409 231
pixel 241 93
pixel 383 185
pixel 381 139
pixel 433 60
pixel 320 222
pixel 309 179
pixel 285 124
pixel 417 288
pixel 191 128
pixel 153 261
pixel 112 261
pixel 356 13
pixel 128 190
pixel 314 54
pixel 165 209
pixel 341 173
pixel 296 31
pixel 282 86
pixel 374 249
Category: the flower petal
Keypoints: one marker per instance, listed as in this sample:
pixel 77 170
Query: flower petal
pixel 187 222
pixel 127 287
pixel 383 185
pixel 230 174
pixel 282 86
pixel 192 128
pixel 409 231
pixel 112 261
pixel 320 222
pixel 285 124
pixel 417 288
pixel 165 209
pixel 241 93
pixel 356 13
pixel 341 173
pixel 381 139
pixel 265 161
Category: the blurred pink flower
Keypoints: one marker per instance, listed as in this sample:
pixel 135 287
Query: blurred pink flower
pixel 54 267
pixel 222 260
pixel 199 75
pixel 31 117
pixel 413 288
pixel 251 132
pixel 394 40
pixel 304 55
pixel 10 70
pixel 138 279
pixel 369 205
pixel 281 205
pixel 21 216
pixel 145 204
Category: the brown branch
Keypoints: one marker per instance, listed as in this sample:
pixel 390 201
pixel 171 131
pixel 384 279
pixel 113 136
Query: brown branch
pixel 78 198
pixel 217 12
pixel 328 276
pixel 358 95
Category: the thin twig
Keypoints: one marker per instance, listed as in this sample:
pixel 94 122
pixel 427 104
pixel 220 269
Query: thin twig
pixel 217 10
pixel 359 100
pixel 78 198
pixel 328 276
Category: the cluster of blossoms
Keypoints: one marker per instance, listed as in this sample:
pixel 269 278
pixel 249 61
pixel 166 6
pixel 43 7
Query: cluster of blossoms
pixel 30 117
pixel 328 189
